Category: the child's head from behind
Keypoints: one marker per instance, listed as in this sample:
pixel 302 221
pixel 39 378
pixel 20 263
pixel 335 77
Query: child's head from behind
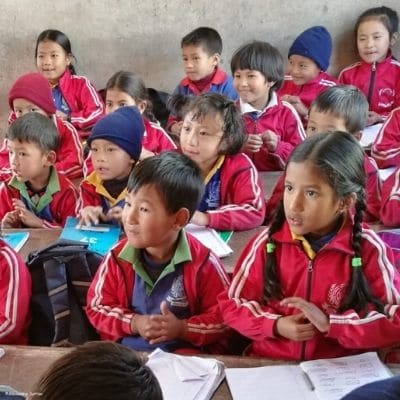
pixel 338 108
pixel 201 52
pixel 53 55
pixel 376 31
pixel 31 93
pixel 212 126
pixel 98 370
pixel 257 68
pixel 309 54
pixel 163 193
pixel 116 142
pixel 32 142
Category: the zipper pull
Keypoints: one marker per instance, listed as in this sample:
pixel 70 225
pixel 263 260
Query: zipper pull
pixel 310 266
pixel 374 66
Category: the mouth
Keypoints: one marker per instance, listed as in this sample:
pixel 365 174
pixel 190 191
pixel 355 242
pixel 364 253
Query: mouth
pixel 295 221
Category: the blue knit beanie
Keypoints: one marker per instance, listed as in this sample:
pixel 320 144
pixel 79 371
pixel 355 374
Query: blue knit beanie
pixel 123 127
pixel 314 43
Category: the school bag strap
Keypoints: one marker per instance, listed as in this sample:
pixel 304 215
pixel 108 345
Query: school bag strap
pixel 61 275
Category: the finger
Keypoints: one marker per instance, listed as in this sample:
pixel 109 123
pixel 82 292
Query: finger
pixel 164 308
pixel 159 339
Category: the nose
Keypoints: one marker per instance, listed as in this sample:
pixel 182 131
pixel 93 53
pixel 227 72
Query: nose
pixel 192 138
pixel 296 202
pixel 13 158
pixel 131 213
pixel 110 109
pixel 188 64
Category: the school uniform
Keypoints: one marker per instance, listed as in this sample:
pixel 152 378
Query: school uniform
pixel 53 206
pixel 323 281
pixel 386 147
pixel 390 211
pixel 380 82
pixel 197 279
pixel 233 196
pixel 15 294
pixel 279 117
pixel 69 155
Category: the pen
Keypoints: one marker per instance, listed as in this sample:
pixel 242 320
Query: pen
pixel 308 381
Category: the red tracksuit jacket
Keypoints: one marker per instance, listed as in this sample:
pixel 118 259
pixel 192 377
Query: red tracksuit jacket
pixel 323 282
pixel 15 294
pixel 390 211
pixel 281 118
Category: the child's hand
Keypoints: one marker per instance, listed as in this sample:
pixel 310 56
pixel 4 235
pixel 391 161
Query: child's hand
pixel 252 144
pixel 295 327
pixel 176 128
pixel 114 213
pixel 11 220
pixel 373 118
pixel 142 325
pixel 62 115
pixel 27 218
pixel 310 311
pixel 295 101
pixel 200 218
pixel 270 139
pixel 91 215
pixel 145 154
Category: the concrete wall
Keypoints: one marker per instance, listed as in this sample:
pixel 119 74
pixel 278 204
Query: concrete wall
pixel 144 36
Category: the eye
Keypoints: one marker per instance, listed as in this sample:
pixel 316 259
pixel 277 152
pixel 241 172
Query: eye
pixel 143 209
pixel 311 193
pixel 34 109
pixel 109 103
pixel 236 76
pixel 288 188
pixel 185 128
pixel 122 104
pixel 203 133
pixel 93 149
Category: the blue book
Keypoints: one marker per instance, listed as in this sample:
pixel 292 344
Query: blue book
pixel 100 237
pixel 15 239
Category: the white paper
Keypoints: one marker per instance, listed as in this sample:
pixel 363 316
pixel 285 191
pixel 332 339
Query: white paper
pixel 385 173
pixel 369 134
pixel 210 238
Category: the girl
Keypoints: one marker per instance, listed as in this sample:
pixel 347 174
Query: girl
pixel 377 73
pixel 212 137
pixel 74 96
pixel 273 127
pixel 316 283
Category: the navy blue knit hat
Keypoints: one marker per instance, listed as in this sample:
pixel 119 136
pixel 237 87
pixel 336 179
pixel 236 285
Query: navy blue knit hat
pixel 124 127
pixel 314 43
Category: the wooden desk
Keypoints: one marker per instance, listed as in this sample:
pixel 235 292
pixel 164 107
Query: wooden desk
pixel 22 366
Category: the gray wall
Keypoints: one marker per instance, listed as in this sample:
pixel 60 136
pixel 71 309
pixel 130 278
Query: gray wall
pixel 144 36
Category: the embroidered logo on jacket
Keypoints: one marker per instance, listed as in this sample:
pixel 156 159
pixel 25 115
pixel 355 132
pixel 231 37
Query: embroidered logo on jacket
pixel 335 296
pixel 177 296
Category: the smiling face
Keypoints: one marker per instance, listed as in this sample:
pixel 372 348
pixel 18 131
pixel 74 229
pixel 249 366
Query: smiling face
pixel 52 60
pixel 109 160
pixel 310 203
pixel 197 63
pixel 373 41
pixel 302 69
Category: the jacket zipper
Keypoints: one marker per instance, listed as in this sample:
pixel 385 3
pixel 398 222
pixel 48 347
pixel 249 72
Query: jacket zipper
pixel 371 82
pixel 308 295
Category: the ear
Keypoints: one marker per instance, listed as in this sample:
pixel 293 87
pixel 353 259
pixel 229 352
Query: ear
pixel 68 58
pixel 141 105
pixel 216 59
pixel 358 135
pixel 394 38
pixel 181 218
pixel 50 158
pixel 271 84
pixel 348 202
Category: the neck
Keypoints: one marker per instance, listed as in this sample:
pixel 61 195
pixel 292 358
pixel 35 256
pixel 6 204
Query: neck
pixel 164 251
pixel 39 182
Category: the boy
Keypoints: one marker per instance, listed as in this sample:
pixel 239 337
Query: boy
pixel 308 60
pixel 15 293
pixel 115 144
pixel 98 370
pixel 31 92
pixel 158 287
pixel 36 196
pixel 341 108
pixel 273 127
pixel 201 54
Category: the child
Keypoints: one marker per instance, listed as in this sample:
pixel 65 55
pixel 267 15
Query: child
pixel 308 62
pixel 115 144
pixel 273 127
pixel 386 147
pixel 316 283
pixel 201 54
pixel 127 89
pixel 377 73
pixel 98 370
pixel 36 196
pixel 158 286
pixel 75 98
pixel 341 108
pixel 212 137
pixel 31 92
pixel 390 210
pixel 15 293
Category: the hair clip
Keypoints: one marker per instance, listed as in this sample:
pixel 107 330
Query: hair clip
pixel 356 262
pixel 270 248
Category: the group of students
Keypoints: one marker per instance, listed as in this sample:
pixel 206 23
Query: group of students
pixel 315 283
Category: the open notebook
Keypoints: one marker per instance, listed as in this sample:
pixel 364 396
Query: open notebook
pixel 326 379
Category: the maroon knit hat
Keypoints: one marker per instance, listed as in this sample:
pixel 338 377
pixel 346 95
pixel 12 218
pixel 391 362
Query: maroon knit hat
pixel 35 88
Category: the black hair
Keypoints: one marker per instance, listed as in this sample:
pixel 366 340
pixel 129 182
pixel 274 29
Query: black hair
pixel 98 371
pixel 339 158
pixel 387 16
pixel 35 128
pixel 233 136
pixel 262 57
pixel 208 38
pixel 134 86
pixel 176 177
pixel 60 38
pixel 346 102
